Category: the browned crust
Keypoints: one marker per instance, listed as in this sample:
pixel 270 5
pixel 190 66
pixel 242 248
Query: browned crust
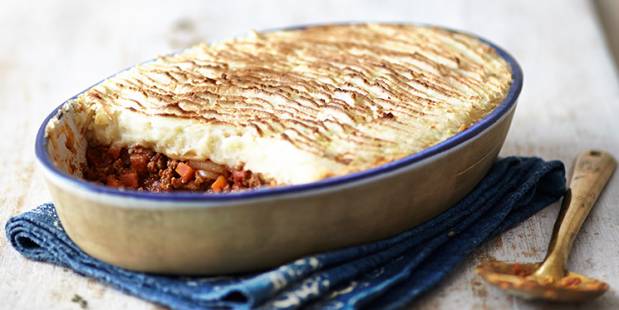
pixel 278 83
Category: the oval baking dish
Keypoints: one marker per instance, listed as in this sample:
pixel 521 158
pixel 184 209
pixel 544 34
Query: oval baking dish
pixel 201 233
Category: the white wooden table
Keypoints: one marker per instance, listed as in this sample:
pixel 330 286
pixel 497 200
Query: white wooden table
pixel 50 50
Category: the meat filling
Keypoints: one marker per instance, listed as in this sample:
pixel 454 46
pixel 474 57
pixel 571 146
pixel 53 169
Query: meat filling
pixel 139 168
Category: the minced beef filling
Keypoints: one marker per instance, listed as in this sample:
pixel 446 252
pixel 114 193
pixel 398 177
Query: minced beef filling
pixel 139 168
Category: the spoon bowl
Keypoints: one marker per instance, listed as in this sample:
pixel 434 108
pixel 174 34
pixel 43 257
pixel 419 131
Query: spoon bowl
pixel 519 280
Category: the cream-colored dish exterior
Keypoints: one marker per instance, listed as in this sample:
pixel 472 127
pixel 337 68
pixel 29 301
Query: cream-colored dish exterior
pixel 221 236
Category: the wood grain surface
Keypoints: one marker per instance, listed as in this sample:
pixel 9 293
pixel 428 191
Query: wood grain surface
pixel 51 50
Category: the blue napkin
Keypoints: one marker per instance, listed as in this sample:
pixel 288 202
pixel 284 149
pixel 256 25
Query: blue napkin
pixel 385 274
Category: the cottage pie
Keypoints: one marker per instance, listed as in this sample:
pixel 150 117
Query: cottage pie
pixel 286 107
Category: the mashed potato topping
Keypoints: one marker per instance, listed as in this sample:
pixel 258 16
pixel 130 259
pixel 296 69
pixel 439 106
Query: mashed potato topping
pixel 303 105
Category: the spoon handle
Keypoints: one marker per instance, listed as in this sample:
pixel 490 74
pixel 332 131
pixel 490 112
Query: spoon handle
pixel 592 170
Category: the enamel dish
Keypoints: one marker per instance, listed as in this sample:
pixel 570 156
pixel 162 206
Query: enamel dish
pixel 242 231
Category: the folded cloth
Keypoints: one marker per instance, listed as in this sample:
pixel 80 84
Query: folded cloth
pixel 386 274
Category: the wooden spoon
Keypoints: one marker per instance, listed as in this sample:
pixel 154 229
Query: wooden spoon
pixel 550 280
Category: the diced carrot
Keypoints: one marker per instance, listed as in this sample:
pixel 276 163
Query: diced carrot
pixel 138 162
pixel 114 151
pixel 129 179
pixel 219 184
pixel 185 171
pixel 112 181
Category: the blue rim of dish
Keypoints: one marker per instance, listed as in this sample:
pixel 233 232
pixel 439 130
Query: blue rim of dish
pixel 451 142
